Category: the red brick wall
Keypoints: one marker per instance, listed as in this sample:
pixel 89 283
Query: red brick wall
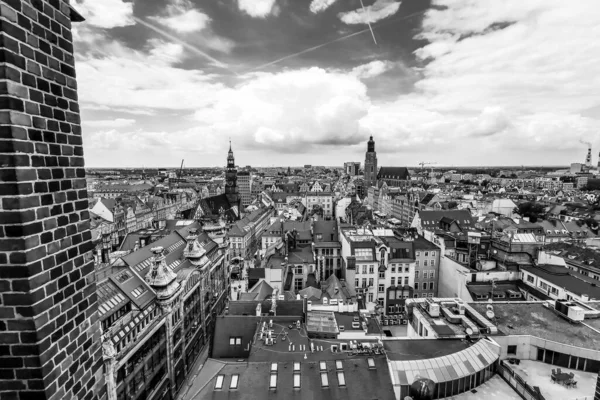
pixel 49 333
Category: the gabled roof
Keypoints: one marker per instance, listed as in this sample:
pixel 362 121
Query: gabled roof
pixel 431 218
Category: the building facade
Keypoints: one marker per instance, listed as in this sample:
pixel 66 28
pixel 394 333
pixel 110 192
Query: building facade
pixel 243 181
pixel 231 186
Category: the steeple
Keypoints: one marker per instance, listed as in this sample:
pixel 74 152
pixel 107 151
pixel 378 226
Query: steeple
pixel 371 145
pixel 231 188
pixel 161 277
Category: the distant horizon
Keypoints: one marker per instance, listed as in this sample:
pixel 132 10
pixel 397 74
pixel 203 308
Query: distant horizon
pixel 341 167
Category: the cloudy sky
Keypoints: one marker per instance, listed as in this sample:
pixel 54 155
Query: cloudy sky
pixel 293 82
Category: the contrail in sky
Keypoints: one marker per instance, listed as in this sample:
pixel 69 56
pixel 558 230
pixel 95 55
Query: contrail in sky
pixel 184 44
pixel 368 23
pixel 334 41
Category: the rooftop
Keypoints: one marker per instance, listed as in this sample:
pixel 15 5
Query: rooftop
pixel 535 319
pixel 419 349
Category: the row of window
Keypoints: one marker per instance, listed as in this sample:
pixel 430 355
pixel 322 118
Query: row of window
pixel 426 253
pixel 426 274
pixel 426 263
pixel 424 286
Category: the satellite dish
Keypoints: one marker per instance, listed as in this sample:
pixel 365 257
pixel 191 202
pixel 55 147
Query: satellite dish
pixel 490 314
pixel 469 331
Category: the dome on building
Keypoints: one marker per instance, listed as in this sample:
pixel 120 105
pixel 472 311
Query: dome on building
pixel 161 277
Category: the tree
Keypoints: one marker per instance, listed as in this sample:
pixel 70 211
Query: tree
pixel 530 210
pixel 452 205
pixel 513 176
pixel 484 183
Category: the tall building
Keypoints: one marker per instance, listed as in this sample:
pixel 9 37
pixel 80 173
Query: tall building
pixel 243 180
pixel 231 188
pixel 370 164
pixel 351 168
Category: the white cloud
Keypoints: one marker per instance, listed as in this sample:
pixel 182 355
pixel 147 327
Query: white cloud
pixel 112 123
pixel 317 6
pixel 293 111
pixel 129 79
pixel 377 11
pixel 258 8
pixel 371 69
pixel 183 18
pixel 106 13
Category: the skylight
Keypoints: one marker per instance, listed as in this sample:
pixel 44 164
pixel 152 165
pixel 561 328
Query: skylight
pixel 273 381
pixel 296 381
pixel 296 366
pixel 371 363
pixel 338 364
pixel 219 382
pixel 274 367
pixel 324 379
pixel 341 378
pixel 234 381
pixel 322 366
pixel 138 291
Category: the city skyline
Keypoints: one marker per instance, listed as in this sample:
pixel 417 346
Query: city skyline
pixel 300 82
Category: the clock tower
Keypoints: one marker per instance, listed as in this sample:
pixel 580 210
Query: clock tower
pixel 231 189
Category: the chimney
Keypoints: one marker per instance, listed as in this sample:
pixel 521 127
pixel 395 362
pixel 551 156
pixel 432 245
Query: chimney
pixel 137 246
pixel 258 310
pixel 588 158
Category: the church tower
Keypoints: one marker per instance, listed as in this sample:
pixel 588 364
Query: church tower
pixel 370 164
pixel 231 189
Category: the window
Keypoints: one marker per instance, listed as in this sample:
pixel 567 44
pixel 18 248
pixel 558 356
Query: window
pixel 424 295
pixel 274 367
pixel 416 274
pixel 426 254
pixel 370 281
pixel 123 277
pixel 364 269
pixel 322 366
pixel 418 253
pixel 381 288
pixel 433 254
pixel 219 382
pixel 235 341
pixel 296 381
pixel 430 295
pixel 381 274
pixel 432 263
pixel 425 263
pixel 371 269
pixel 299 269
pixel 339 365
pixel 393 281
pixel 416 285
pixel 393 270
pixel 341 378
pixel 370 297
pixel 356 283
pixel 416 296
pixel 417 263
pixel 530 278
pixel 407 269
pixel 512 350
pixel 324 380
pixel 296 367
pixel 138 291
pixel 234 381
pixel 425 274
pixel 406 280
pixel 273 381
pixel 431 274
pixel 430 285
pixel 363 254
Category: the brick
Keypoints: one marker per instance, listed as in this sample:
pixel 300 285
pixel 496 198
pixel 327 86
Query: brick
pixel 8 13
pixel 13 30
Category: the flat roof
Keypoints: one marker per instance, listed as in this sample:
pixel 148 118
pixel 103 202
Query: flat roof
pixel 419 349
pixel 527 318
pixel 321 321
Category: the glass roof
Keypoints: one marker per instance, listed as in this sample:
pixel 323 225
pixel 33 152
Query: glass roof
pixel 447 368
